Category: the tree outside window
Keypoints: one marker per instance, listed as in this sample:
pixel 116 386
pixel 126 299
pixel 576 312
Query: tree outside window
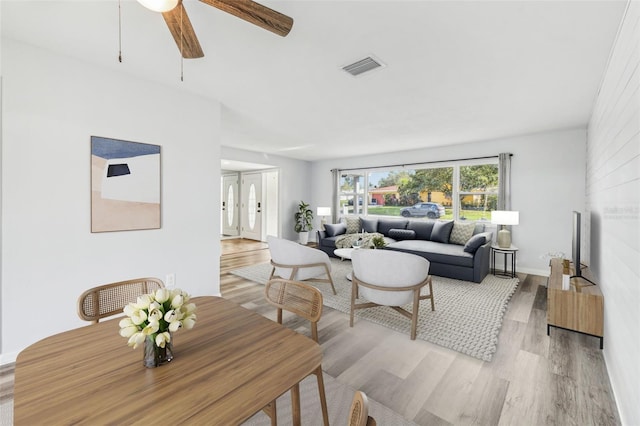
pixel 478 191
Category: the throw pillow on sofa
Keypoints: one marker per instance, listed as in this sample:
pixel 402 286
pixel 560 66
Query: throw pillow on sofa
pixel 335 229
pixel 475 242
pixel 441 231
pixel 369 225
pixel 461 232
pixel 422 228
pixel 479 228
pixel 353 224
pixel 386 225
pixel 402 234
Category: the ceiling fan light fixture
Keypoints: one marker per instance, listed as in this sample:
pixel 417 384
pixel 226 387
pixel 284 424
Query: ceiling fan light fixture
pixel 159 5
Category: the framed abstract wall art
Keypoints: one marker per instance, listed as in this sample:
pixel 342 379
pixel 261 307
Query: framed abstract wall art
pixel 125 185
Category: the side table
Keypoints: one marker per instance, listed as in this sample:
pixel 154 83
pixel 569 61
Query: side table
pixel 506 251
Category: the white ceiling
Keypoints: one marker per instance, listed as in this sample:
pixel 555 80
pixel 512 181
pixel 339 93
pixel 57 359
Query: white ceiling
pixel 456 71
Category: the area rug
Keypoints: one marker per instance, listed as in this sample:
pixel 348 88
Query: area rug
pixel 339 399
pixel 467 318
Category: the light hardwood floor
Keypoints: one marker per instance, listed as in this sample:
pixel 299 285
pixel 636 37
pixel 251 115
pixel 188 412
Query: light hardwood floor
pixel 532 380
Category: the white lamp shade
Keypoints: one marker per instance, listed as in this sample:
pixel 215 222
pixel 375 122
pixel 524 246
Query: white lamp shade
pixel 504 217
pixel 159 5
pixel 324 211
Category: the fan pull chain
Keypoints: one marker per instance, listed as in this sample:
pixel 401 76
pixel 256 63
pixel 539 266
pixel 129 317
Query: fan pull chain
pixel 119 32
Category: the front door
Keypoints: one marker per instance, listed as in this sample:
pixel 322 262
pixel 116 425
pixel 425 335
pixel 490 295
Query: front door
pixel 230 203
pixel 251 211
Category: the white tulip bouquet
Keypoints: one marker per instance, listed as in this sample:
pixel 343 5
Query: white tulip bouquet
pixel 156 315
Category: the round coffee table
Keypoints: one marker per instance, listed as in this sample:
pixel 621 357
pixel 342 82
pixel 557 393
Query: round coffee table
pixel 344 253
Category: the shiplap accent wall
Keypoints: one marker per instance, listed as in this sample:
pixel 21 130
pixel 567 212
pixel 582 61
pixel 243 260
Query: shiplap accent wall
pixel 613 211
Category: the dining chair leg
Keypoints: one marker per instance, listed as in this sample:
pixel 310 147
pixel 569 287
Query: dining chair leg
pixel 323 397
pixel 270 410
pixel 279 318
pixel 274 414
pixel 295 404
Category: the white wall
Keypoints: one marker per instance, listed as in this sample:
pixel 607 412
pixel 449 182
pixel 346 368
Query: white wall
pixel 294 181
pixel 51 107
pixel 548 172
pixel 613 207
pixel 1 133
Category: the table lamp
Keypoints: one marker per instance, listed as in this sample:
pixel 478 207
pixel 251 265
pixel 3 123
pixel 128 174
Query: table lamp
pixel 504 218
pixel 322 213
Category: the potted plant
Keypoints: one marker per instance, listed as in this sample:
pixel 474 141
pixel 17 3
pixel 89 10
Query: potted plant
pixel 303 221
pixel 378 242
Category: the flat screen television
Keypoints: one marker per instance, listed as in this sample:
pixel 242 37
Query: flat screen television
pixel 575 244
pixel 575 248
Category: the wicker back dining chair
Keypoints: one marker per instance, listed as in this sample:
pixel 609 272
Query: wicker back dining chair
pixel 305 301
pixel 359 413
pixel 298 298
pixel 110 299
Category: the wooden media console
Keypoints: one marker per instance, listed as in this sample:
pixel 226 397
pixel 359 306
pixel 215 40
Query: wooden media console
pixel 580 308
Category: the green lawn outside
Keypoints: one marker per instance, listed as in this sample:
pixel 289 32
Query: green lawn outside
pixel 472 215
pixel 385 210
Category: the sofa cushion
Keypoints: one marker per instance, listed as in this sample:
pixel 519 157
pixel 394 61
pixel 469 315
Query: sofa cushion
pixel 385 225
pixel 475 242
pixel 461 232
pixel 441 231
pixel 369 225
pixel 335 229
pixel 402 234
pixel 422 228
pixel 353 224
pixel 450 254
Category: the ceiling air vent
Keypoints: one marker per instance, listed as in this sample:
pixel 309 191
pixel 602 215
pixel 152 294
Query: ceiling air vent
pixel 362 66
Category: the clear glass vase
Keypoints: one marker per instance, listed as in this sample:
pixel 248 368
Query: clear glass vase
pixel 154 355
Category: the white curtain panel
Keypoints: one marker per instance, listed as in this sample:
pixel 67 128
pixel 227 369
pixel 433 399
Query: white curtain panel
pixel 334 203
pixel 504 186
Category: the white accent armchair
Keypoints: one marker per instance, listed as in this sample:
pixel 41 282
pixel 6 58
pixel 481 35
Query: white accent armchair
pixel 390 278
pixel 293 261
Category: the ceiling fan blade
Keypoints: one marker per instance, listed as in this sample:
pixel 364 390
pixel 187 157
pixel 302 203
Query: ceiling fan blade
pixel 255 13
pixel 180 26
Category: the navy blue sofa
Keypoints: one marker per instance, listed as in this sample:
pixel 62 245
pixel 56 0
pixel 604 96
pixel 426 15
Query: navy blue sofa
pixel 460 253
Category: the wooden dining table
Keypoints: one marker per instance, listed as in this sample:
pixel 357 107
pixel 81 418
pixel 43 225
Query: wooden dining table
pixel 228 367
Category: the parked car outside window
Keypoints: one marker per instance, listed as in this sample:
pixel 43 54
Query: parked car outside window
pixel 430 210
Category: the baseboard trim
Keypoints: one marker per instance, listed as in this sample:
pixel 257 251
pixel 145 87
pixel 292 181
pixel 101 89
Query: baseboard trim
pixel 534 271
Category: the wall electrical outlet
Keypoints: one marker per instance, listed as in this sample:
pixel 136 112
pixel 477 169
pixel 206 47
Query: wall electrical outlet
pixel 170 280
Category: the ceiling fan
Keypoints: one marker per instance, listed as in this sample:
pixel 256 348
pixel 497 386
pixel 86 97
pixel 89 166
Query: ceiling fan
pixel 175 15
